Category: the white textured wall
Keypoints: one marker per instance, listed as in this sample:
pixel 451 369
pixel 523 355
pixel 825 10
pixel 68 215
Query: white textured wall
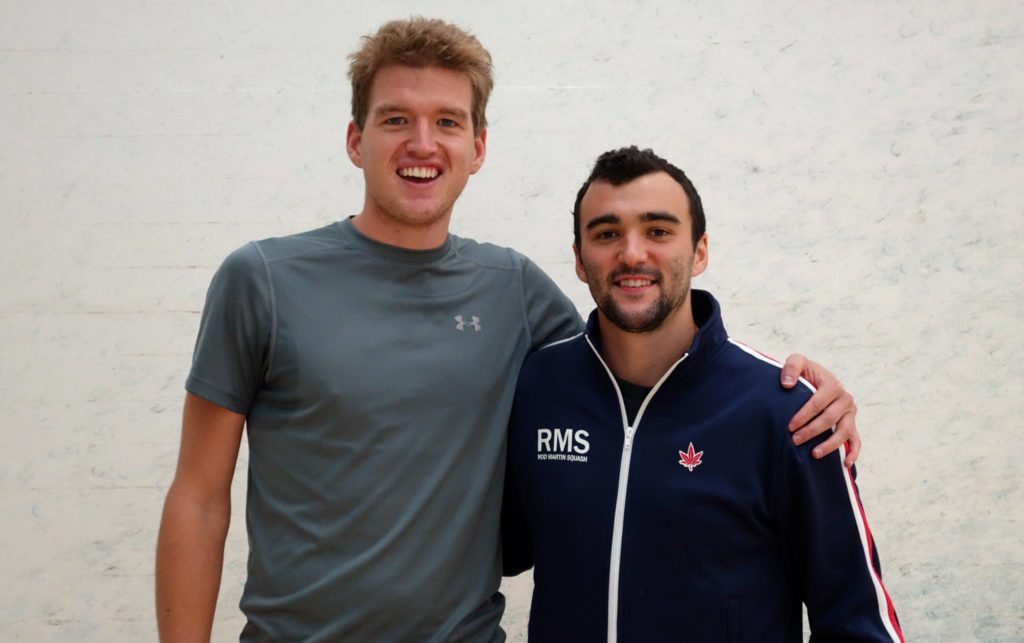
pixel 860 162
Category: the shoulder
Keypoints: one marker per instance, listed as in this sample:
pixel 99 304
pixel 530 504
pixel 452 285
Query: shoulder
pixel 561 355
pixel 537 285
pixel 489 255
pixel 550 374
pixel 242 268
pixel 273 249
pixel 253 262
pixel 743 357
pixel 241 261
pixel 754 377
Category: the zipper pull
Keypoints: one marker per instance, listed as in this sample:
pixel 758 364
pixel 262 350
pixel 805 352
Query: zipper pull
pixel 629 437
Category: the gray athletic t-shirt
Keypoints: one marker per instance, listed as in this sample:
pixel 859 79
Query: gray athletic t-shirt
pixel 376 383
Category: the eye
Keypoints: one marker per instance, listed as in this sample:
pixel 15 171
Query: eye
pixel 447 122
pixel 606 235
pixel 395 120
pixel 659 232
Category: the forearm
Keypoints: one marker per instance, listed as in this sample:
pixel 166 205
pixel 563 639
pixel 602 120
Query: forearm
pixel 189 558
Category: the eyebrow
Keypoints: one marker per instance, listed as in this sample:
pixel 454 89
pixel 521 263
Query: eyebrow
pixel 388 107
pixel 646 217
pixel 448 111
pixel 454 111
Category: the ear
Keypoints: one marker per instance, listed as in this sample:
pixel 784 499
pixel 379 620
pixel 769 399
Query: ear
pixel 479 151
pixel 353 137
pixel 580 272
pixel 700 256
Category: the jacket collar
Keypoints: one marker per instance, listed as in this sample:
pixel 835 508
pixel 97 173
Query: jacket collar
pixel 710 335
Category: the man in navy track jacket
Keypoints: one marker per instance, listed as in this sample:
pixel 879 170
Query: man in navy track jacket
pixel 652 482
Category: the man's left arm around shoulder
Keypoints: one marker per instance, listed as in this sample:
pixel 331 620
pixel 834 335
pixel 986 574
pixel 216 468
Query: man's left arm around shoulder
pixel 831 406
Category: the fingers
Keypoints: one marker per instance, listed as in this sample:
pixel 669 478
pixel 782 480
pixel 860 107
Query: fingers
pixel 791 370
pixel 824 420
pixel 830 400
pixel 853 449
pixel 840 413
pixel 830 406
pixel 845 433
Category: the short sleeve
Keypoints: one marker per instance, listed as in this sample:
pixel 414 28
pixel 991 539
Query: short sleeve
pixel 550 315
pixel 233 348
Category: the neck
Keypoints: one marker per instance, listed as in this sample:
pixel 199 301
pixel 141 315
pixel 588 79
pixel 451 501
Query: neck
pixel 643 358
pixel 387 230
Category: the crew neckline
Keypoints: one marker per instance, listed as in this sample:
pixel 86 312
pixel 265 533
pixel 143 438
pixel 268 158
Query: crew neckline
pixel 351 234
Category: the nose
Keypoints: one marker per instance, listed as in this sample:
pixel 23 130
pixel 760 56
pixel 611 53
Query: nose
pixel 421 139
pixel 634 252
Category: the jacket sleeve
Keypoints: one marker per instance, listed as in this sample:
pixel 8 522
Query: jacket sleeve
pixel 828 542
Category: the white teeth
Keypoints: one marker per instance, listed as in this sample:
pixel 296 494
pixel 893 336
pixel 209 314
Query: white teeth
pixel 418 172
pixel 635 283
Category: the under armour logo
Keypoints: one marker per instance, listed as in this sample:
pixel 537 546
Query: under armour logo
pixel 463 323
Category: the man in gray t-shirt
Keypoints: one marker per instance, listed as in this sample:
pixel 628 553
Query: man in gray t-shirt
pixel 373 362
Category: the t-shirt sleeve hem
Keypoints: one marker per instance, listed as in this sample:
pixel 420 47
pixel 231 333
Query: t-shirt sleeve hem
pixel 211 394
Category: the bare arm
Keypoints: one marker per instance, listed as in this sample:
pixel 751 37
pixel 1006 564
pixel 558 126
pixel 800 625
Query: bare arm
pixel 190 547
pixel 830 406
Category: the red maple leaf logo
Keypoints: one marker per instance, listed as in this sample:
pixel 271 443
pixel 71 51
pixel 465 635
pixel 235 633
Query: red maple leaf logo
pixel 689 459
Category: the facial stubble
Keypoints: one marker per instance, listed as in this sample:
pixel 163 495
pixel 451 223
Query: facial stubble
pixel 652 317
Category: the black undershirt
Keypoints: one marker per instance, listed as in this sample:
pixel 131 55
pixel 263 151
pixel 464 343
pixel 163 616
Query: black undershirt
pixel 633 395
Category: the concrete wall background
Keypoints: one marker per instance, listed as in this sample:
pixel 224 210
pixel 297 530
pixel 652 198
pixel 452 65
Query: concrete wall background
pixel 861 166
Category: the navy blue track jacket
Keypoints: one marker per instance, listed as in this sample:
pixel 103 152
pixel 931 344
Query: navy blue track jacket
pixel 701 522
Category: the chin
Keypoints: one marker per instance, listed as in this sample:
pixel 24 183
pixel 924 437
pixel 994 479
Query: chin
pixel 427 219
pixel 421 217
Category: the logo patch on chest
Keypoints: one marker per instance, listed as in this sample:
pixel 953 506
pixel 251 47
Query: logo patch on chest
pixel 690 459
pixel 474 323
pixel 567 445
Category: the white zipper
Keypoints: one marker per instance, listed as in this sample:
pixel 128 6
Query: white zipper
pixel 620 498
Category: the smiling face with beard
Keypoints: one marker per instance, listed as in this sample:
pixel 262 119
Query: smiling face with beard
pixel 636 251
pixel 640 316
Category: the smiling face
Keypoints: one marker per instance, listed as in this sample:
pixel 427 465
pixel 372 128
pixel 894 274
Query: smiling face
pixel 417 151
pixel 636 251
